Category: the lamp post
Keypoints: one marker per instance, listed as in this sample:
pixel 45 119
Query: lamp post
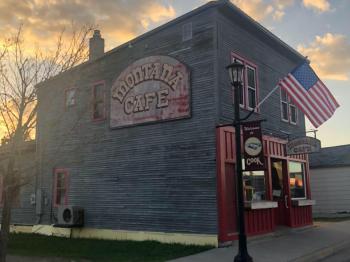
pixel 236 75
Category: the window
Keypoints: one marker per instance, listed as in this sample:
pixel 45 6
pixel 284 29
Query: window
pixel 98 101
pixel 297 180
pixel 70 98
pixel 249 92
pixel 251 87
pixel 289 112
pixel 187 32
pixel 60 187
pixel 254 185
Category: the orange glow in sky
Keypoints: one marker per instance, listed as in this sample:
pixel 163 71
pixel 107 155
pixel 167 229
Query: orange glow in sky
pixel 318 29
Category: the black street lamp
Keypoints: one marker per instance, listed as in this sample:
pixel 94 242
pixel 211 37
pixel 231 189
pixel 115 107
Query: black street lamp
pixel 236 75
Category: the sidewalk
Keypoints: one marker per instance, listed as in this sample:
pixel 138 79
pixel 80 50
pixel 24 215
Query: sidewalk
pixel 305 245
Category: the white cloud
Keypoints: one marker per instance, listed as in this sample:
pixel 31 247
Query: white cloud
pixel 329 55
pixel 261 10
pixel 119 20
pixel 317 5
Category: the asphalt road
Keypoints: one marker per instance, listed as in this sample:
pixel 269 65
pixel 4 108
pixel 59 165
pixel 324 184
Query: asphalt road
pixel 341 256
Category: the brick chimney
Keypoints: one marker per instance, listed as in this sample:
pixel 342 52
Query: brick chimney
pixel 96 46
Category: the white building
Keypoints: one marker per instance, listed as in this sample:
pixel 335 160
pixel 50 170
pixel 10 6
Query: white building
pixel 330 181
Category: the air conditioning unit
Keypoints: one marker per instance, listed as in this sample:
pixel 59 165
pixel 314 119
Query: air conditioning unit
pixel 70 216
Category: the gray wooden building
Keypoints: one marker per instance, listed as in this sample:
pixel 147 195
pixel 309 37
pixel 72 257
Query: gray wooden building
pixel 132 136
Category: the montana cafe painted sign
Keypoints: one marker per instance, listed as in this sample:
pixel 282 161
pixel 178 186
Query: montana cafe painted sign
pixel 151 89
pixel 303 145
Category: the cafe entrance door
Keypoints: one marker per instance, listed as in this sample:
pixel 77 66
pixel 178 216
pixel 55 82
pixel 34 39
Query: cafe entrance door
pixel 280 191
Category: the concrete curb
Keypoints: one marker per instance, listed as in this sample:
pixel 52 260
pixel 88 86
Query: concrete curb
pixel 322 253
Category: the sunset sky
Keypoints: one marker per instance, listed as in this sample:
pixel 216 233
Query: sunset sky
pixel 318 29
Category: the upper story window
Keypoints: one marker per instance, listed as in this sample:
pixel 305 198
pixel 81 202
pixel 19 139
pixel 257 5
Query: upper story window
pixel 249 92
pixel 251 86
pixel 98 103
pixel 187 31
pixel 289 112
pixel 70 98
pixel 60 187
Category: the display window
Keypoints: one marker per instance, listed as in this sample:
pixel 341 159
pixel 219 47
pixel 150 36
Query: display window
pixel 254 185
pixel 277 179
pixel 297 180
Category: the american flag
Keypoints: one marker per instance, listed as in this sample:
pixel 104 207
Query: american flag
pixel 309 93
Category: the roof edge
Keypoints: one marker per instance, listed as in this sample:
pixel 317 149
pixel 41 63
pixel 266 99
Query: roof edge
pixel 263 29
pixel 198 10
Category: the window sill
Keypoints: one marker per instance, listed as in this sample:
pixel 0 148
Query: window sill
pixel 262 204
pixel 303 202
pixel 248 110
pixel 289 122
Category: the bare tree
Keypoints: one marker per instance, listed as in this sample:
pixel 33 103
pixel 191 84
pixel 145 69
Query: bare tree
pixel 20 72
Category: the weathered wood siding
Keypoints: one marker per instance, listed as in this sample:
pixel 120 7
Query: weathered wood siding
pixel 151 177
pixel 330 189
pixel 273 61
pixel 159 176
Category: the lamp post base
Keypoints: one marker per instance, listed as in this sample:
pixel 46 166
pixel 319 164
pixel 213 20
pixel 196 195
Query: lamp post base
pixel 243 258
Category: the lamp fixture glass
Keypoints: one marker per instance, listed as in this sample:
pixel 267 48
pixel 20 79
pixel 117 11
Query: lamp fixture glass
pixel 236 72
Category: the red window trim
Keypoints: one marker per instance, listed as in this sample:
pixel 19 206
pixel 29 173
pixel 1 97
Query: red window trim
pixel 247 63
pixel 66 107
pixel 94 85
pixel 66 181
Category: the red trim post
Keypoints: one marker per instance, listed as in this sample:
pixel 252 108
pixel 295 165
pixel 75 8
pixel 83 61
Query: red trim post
pixel 220 187
pixel 307 174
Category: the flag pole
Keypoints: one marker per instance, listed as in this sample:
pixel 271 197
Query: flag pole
pixel 261 102
pixel 266 97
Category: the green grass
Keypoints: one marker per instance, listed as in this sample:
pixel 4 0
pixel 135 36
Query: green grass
pixel 98 250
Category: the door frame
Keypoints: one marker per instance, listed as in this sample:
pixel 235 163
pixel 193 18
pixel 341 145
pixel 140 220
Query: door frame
pixel 284 201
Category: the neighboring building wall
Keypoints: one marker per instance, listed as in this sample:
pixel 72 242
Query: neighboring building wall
pixel 273 61
pixel 150 177
pixel 23 211
pixel 330 189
